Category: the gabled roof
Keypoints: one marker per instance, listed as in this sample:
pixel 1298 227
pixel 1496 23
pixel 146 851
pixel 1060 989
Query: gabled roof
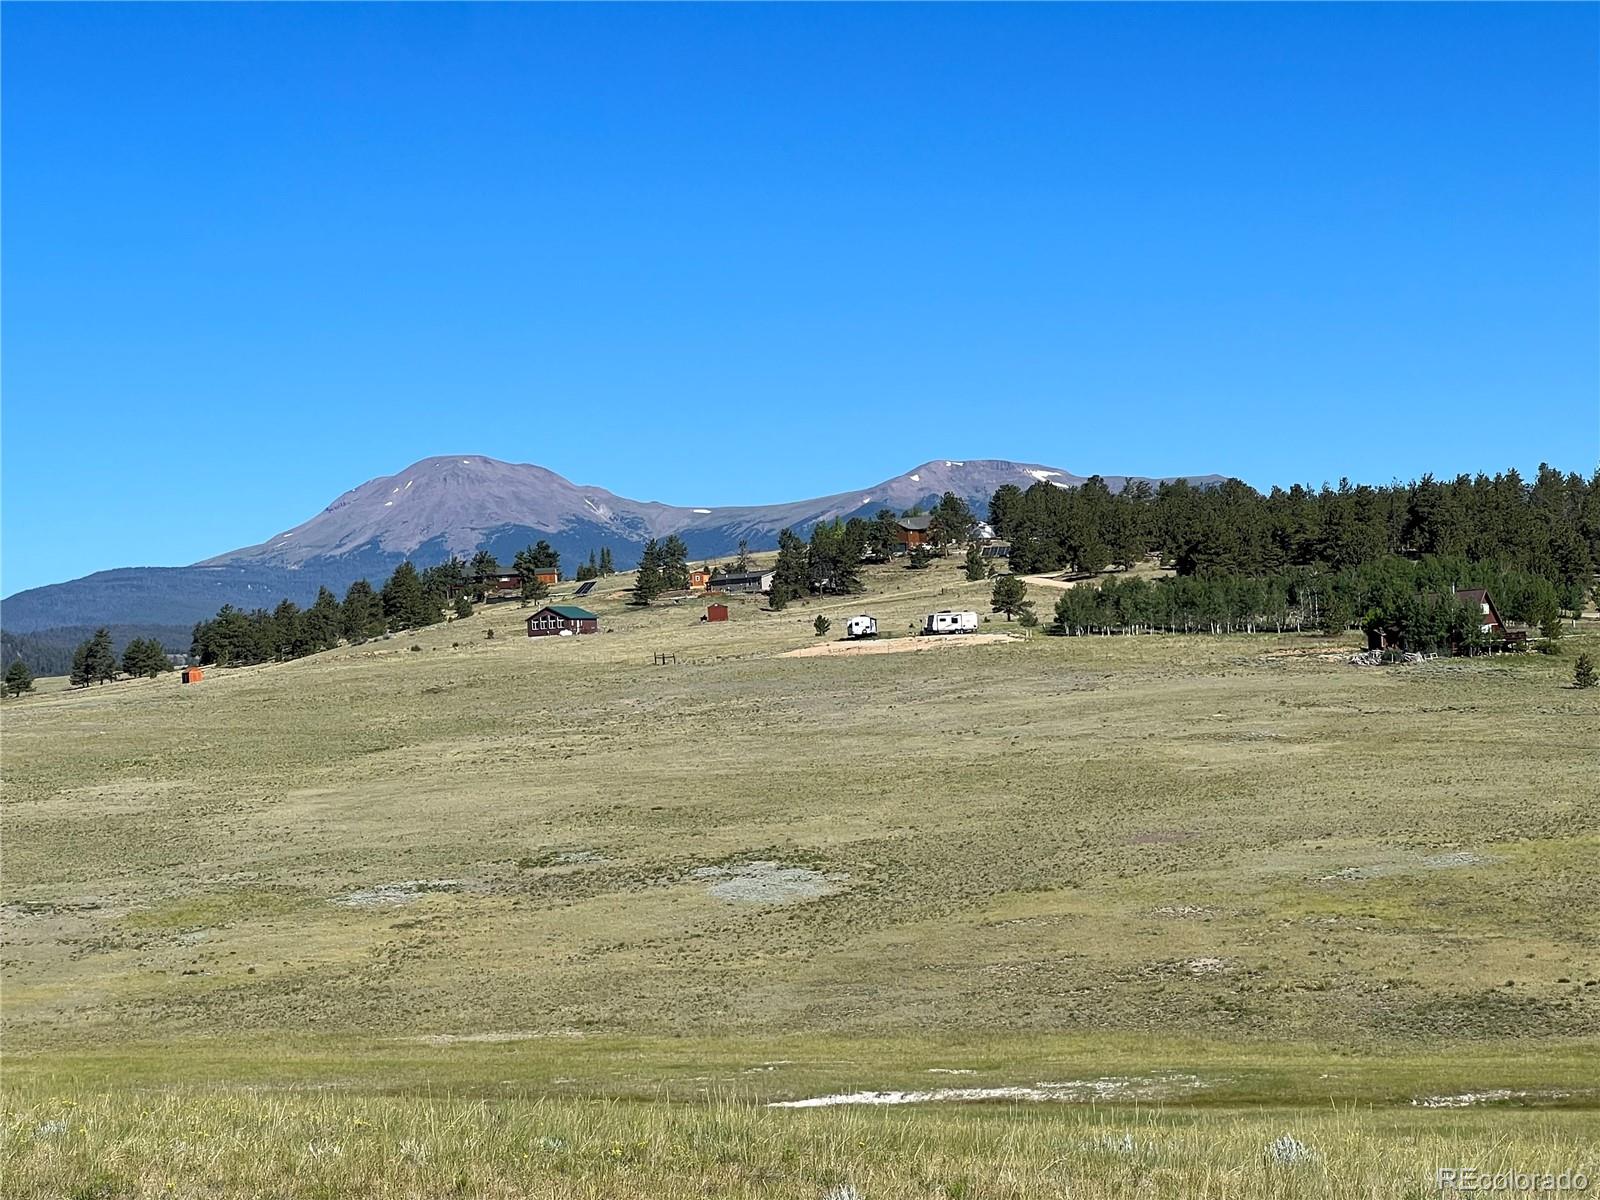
pixel 916 524
pixel 1472 595
pixel 570 611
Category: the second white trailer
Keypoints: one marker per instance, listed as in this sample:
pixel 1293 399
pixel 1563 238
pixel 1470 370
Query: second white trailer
pixel 950 622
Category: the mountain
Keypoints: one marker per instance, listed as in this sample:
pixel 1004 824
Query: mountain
pixel 462 503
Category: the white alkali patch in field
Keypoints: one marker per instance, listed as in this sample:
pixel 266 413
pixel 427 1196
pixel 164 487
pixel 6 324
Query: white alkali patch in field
pixel 1433 862
pixel 1492 1096
pixel 1107 1088
pixel 768 882
pixel 386 894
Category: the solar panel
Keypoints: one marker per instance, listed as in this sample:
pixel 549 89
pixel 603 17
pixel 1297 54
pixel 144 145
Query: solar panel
pixel 584 588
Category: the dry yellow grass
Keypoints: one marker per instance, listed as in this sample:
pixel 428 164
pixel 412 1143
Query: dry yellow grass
pixel 1234 858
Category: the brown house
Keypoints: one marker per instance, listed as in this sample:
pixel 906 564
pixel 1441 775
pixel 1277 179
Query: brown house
pixel 1488 616
pixel 1489 624
pixel 553 620
pixel 699 579
pixel 911 531
pixel 507 586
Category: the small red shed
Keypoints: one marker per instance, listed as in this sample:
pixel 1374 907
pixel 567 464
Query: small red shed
pixel 716 612
pixel 193 674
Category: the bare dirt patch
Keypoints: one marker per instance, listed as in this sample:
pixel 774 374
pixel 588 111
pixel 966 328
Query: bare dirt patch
pixel 899 645
pixel 767 882
pixel 388 895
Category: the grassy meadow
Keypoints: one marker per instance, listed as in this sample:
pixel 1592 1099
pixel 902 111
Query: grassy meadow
pixel 446 914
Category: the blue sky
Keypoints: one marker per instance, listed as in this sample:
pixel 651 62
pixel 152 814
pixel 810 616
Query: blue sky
pixel 255 255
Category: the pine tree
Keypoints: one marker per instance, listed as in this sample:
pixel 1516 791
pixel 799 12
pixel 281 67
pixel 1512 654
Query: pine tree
pixel 953 522
pixel 674 563
pixel 361 614
pixel 534 589
pixel 527 564
pixel 100 659
pixel 1010 596
pixel 791 576
pixel 19 679
pixel 133 658
pixel 741 564
pixel 647 581
pixel 1550 627
pixel 883 535
pixel 484 563
pixel 452 573
pixel 976 568
pixel 1583 675
pixel 606 566
pixel 404 602
pixel 822 625
pixel 463 605
pixel 320 626
pixel 833 559
pixel 285 630
pixel 79 676
pixel 145 657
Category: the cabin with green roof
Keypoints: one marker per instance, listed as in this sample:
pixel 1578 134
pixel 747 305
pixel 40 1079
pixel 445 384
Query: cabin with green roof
pixel 562 620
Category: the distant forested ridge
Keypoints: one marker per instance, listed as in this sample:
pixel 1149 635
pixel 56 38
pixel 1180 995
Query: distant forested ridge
pixel 49 651
pixel 1547 528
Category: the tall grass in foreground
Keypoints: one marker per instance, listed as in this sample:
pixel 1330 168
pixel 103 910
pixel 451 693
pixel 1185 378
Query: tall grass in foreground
pixel 94 1146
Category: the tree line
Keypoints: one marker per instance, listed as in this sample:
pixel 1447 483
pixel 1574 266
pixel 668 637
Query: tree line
pixel 408 599
pixel 829 562
pixel 1549 527
pixel 1412 601
pixel 94 660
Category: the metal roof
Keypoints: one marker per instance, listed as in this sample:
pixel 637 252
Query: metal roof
pixel 570 611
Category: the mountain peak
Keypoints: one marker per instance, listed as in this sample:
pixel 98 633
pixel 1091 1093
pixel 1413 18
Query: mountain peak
pixel 460 503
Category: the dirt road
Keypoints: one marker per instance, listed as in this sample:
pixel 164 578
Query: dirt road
pixel 899 645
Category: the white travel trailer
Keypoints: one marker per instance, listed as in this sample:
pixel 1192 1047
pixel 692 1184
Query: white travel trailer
pixel 950 622
pixel 861 627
